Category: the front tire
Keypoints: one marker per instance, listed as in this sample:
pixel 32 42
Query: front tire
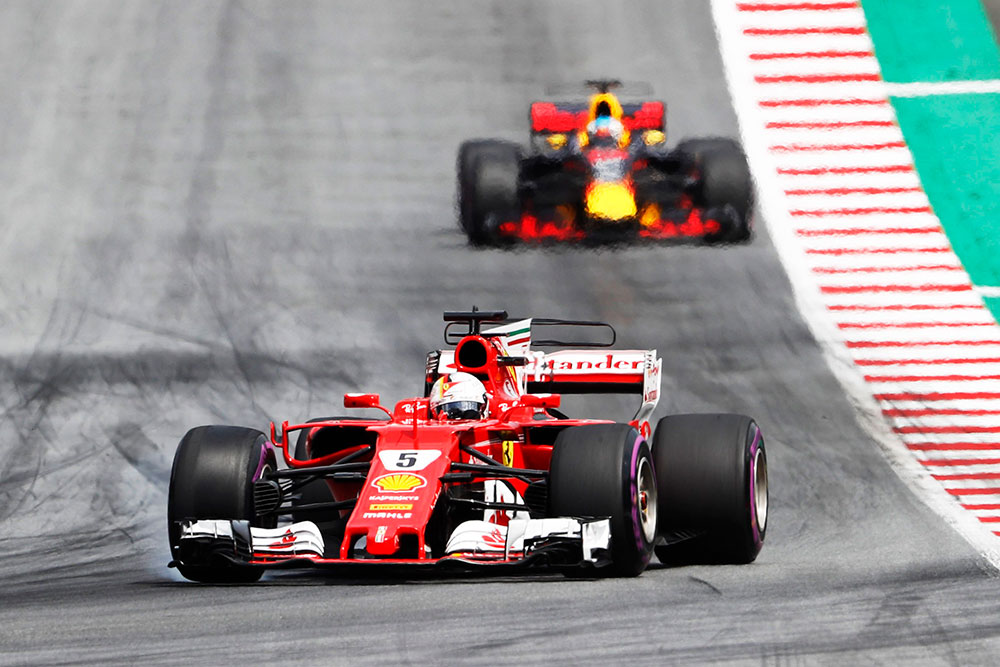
pixel 488 172
pixel 212 478
pixel 712 475
pixel 725 187
pixel 606 470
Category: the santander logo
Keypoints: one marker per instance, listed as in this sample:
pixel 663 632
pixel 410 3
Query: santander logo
pixel 609 363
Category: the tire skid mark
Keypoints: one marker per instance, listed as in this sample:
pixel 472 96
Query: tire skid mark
pixel 142 453
pixel 45 377
pixel 29 419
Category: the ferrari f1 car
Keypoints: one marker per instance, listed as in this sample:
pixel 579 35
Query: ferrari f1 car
pixel 599 170
pixel 498 477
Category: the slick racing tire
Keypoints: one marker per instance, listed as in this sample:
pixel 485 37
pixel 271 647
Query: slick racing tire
pixel 725 188
pixel 468 155
pixel 488 173
pixel 606 470
pixel 212 478
pixel 712 476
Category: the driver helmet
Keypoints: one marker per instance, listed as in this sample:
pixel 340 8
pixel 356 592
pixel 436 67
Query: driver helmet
pixel 458 396
pixel 606 126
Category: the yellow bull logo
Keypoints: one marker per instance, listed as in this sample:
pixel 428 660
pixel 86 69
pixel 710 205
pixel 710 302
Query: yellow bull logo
pixel 610 201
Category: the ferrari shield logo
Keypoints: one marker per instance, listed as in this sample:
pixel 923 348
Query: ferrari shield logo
pixel 508 452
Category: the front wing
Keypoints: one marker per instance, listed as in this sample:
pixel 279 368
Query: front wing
pixel 556 542
pixel 680 225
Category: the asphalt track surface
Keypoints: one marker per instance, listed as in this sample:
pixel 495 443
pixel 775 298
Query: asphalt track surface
pixel 228 212
pixel 992 8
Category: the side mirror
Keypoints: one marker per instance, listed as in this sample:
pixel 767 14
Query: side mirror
pixel 361 401
pixel 541 400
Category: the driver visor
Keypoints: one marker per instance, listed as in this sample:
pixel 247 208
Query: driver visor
pixel 462 410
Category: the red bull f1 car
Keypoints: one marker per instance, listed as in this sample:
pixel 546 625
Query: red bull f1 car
pixel 482 470
pixel 599 169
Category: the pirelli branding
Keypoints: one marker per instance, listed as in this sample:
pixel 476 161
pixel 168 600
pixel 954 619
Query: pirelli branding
pixel 386 507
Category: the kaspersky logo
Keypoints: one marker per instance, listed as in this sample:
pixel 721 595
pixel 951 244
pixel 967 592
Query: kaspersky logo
pixel 399 482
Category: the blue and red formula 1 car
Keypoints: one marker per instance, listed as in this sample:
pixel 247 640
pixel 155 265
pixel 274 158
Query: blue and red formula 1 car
pixel 600 170
pixel 482 470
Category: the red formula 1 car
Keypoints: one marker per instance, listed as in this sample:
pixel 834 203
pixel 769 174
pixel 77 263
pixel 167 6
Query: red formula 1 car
pixel 600 170
pixel 483 470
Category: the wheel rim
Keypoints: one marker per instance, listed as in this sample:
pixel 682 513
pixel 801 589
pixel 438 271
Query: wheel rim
pixel 646 499
pixel 264 522
pixel 760 489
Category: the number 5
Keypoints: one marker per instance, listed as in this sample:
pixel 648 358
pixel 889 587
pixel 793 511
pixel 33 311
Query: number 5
pixel 407 460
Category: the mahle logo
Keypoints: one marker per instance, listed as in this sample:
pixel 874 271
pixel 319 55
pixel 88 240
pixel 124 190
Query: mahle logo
pixel 399 483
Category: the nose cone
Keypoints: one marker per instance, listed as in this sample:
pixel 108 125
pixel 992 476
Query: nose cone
pixel 610 201
pixel 398 496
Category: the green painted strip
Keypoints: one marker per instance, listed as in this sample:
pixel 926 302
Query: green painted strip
pixel 931 40
pixel 955 139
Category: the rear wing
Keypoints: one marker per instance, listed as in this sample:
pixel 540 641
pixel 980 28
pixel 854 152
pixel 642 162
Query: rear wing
pixel 589 368
pixel 598 372
pixel 565 117
pixel 593 372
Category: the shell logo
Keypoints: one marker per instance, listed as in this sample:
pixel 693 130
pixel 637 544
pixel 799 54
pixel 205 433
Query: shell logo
pixel 399 482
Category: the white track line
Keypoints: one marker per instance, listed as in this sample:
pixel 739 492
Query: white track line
pixel 926 88
pixel 989 291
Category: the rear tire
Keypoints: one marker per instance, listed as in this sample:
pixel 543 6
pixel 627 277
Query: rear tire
pixel 212 478
pixel 712 476
pixel 488 172
pixel 725 187
pixel 606 470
